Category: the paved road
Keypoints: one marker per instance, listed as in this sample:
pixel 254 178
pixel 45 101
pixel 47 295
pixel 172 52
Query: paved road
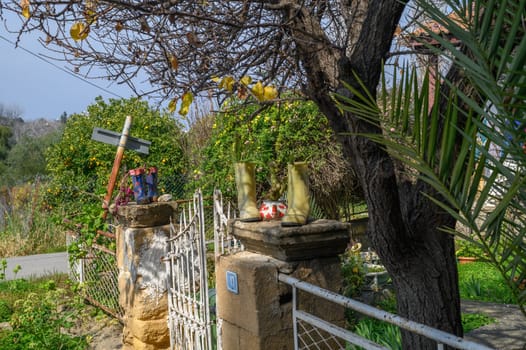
pixel 37 265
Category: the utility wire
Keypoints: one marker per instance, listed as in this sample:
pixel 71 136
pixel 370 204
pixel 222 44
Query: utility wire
pixel 60 68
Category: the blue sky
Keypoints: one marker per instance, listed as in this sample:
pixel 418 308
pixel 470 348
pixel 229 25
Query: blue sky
pixel 39 89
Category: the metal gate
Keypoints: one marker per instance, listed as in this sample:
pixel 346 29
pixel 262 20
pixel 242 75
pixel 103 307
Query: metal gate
pixel 189 313
pixel 191 323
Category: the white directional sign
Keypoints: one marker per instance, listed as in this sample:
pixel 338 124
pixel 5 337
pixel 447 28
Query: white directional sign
pixel 113 138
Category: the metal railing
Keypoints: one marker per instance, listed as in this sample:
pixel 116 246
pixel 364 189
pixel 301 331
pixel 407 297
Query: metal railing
pixel 311 332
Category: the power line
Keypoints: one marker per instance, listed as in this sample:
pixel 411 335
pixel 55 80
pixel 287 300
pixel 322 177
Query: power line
pixel 59 68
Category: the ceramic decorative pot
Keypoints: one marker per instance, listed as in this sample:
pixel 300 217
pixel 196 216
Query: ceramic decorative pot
pixel 271 210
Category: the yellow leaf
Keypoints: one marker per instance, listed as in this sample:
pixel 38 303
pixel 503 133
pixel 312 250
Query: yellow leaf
pixel 269 93
pixel 258 91
pixel 25 12
pixel 174 63
pixel 184 110
pixel 246 80
pixel 172 105
pixel 79 31
pixel 187 98
pixel 24 4
pixel 216 79
pixel 227 83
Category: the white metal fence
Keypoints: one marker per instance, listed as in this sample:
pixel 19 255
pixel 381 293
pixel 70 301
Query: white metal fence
pixel 311 332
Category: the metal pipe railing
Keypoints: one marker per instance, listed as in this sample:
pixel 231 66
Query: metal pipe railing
pixel 437 335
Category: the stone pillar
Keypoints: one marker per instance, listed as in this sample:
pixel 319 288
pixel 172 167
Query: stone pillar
pixel 258 315
pixel 141 243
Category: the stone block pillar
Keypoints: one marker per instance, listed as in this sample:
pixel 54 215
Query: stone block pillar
pixel 141 243
pixel 258 314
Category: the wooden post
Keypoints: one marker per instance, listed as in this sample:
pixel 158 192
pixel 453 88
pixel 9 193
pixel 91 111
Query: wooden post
pixel 116 164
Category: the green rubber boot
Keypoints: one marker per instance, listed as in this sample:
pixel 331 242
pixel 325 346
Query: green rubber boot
pixel 297 195
pixel 246 192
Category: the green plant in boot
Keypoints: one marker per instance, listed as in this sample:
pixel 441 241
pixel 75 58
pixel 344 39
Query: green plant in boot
pixel 297 195
pixel 246 192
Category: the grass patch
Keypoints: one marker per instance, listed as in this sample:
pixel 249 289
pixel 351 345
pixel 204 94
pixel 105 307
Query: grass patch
pixel 21 236
pixel 473 321
pixel 483 282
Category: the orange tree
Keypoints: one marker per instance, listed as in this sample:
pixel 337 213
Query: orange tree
pixel 80 167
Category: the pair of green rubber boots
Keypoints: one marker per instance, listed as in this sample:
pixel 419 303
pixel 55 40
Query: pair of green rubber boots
pixel 297 194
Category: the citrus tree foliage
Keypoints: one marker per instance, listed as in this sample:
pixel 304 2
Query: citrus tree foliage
pixel 80 167
pixel 271 138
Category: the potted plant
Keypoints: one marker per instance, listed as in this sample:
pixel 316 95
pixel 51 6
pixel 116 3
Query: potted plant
pixel 467 252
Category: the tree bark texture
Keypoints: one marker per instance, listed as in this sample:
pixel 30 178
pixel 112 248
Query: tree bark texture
pixel 403 224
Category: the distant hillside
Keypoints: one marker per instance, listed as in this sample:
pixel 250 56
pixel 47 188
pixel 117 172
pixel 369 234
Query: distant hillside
pixel 34 128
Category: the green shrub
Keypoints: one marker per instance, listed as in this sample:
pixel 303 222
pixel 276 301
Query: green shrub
pixel 40 312
pixel 467 249
pixel 5 311
pixel 39 322
pixel 379 332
